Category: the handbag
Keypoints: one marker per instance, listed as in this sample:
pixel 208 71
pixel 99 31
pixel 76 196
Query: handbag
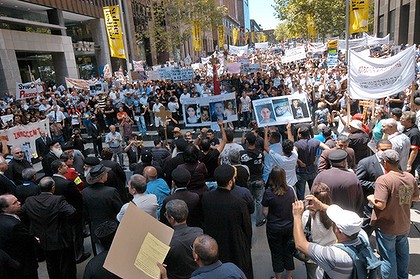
pixel 308 235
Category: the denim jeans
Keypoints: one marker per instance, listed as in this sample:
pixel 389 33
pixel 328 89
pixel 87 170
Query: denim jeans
pixel 141 124
pixel 302 178
pixel 257 189
pixel 395 255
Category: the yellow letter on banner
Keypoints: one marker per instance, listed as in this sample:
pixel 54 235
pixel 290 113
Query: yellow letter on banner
pixel 221 35
pixel 359 16
pixel 253 36
pixel 114 30
pixel 235 35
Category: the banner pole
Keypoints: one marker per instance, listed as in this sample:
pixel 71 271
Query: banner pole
pixel 413 90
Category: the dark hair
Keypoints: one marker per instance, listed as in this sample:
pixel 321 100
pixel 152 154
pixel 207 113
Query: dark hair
pixel 66 156
pixel 180 144
pixel 250 138
pixel 46 184
pixel 275 136
pixel 55 165
pixel 326 132
pixel 178 209
pixel 157 141
pixel 397 112
pixel 304 132
pixel 194 107
pixel 205 145
pixel 229 135
pixel 3 203
pixel 383 141
pixel 106 153
pixel 277 181
pixel 191 154
pixel 287 146
pixel 207 249
pixel 322 192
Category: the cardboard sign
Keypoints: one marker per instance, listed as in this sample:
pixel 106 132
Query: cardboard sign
pixel 136 229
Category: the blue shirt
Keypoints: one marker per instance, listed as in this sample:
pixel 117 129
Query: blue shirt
pixel 218 270
pixel 268 160
pixel 160 189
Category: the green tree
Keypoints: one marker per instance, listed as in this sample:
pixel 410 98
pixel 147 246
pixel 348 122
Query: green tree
pixel 171 21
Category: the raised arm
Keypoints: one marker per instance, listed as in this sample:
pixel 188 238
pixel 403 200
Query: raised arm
pixel 221 146
pixel 266 146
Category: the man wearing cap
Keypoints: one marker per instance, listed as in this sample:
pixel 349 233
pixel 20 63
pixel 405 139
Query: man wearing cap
pixel 226 219
pixel 394 193
pixel 147 202
pixel 180 179
pixel 116 176
pixel 358 140
pixel 343 183
pixel 180 260
pixel 331 260
pixel 342 142
pixel 102 203
pixel 400 142
pixel 368 170
pixel 147 159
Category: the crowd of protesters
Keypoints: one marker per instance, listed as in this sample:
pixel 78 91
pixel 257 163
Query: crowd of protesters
pixel 359 167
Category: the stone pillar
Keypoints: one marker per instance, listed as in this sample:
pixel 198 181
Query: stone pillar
pixel 100 37
pixel 56 17
pixel 65 62
pixel 9 68
pixel 412 22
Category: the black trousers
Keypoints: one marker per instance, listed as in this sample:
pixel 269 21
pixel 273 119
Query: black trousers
pixel 61 263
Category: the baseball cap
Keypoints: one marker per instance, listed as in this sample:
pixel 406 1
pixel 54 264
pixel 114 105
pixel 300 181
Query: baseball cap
pixel 348 222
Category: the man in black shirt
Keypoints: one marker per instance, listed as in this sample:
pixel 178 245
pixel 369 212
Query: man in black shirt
pixel 408 120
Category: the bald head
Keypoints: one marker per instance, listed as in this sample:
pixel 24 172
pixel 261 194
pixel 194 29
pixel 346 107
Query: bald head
pixel 150 173
pixel 206 249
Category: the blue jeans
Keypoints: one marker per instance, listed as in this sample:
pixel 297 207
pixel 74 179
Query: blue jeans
pixel 395 255
pixel 141 124
pixel 301 183
pixel 257 189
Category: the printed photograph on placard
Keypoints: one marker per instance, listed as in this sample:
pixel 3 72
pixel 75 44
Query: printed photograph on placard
pixel 299 108
pixel 193 114
pixel 282 108
pixel 217 111
pixel 230 111
pixel 265 114
pixel 205 113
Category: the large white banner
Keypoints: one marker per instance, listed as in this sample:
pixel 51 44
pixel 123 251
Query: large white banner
pixel 261 45
pixel 375 78
pixel 208 110
pixel 371 41
pixel 366 40
pixel 294 54
pixel 174 73
pixel 78 83
pixel 28 90
pixel 281 110
pixel 238 50
pixel 25 136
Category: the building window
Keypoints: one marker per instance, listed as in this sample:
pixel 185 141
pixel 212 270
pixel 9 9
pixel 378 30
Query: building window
pixel 391 24
pixel 381 27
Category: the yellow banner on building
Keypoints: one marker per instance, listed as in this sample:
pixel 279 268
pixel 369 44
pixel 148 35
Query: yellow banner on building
pixel 235 35
pixel 196 35
pixel 246 37
pixel 114 31
pixel 253 36
pixel 311 26
pixel 221 35
pixel 359 16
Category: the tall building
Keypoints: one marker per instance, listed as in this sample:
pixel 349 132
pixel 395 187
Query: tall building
pixel 51 40
pixel 400 19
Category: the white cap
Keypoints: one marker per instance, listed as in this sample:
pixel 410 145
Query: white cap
pixel 348 222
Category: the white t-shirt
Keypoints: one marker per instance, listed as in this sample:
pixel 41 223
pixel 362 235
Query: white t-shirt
pixel 245 102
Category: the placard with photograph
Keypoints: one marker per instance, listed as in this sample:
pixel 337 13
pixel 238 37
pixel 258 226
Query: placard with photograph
pixel 281 110
pixel 203 111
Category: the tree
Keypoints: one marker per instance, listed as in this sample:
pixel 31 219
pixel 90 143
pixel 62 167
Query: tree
pixel 328 15
pixel 171 21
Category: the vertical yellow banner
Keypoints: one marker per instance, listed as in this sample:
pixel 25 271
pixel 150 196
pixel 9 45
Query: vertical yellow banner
pixel 114 31
pixel 253 36
pixel 311 26
pixel 221 35
pixel 359 16
pixel 246 37
pixel 196 35
pixel 235 35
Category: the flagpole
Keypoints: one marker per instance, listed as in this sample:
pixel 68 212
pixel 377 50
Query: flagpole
pixel 347 30
pixel 127 59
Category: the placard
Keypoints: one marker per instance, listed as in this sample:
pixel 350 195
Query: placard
pixel 28 89
pixel 207 110
pixel 281 110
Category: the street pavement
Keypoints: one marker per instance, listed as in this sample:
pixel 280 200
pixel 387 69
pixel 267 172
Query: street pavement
pixel 261 253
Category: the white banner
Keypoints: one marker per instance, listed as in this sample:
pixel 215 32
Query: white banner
pixel 207 110
pixel 28 90
pixel 25 136
pixel 107 71
pixel 371 41
pixel 233 68
pixel 238 50
pixel 174 73
pixel 6 118
pixel 281 110
pixel 375 78
pixel 294 54
pixel 138 66
pixel 261 45
pixel 78 83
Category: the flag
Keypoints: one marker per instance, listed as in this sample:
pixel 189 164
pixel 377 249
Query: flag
pixel 114 31
pixel 253 36
pixel 221 35
pixel 359 15
pixel 311 26
pixel 246 37
pixel 235 35
pixel 196 35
